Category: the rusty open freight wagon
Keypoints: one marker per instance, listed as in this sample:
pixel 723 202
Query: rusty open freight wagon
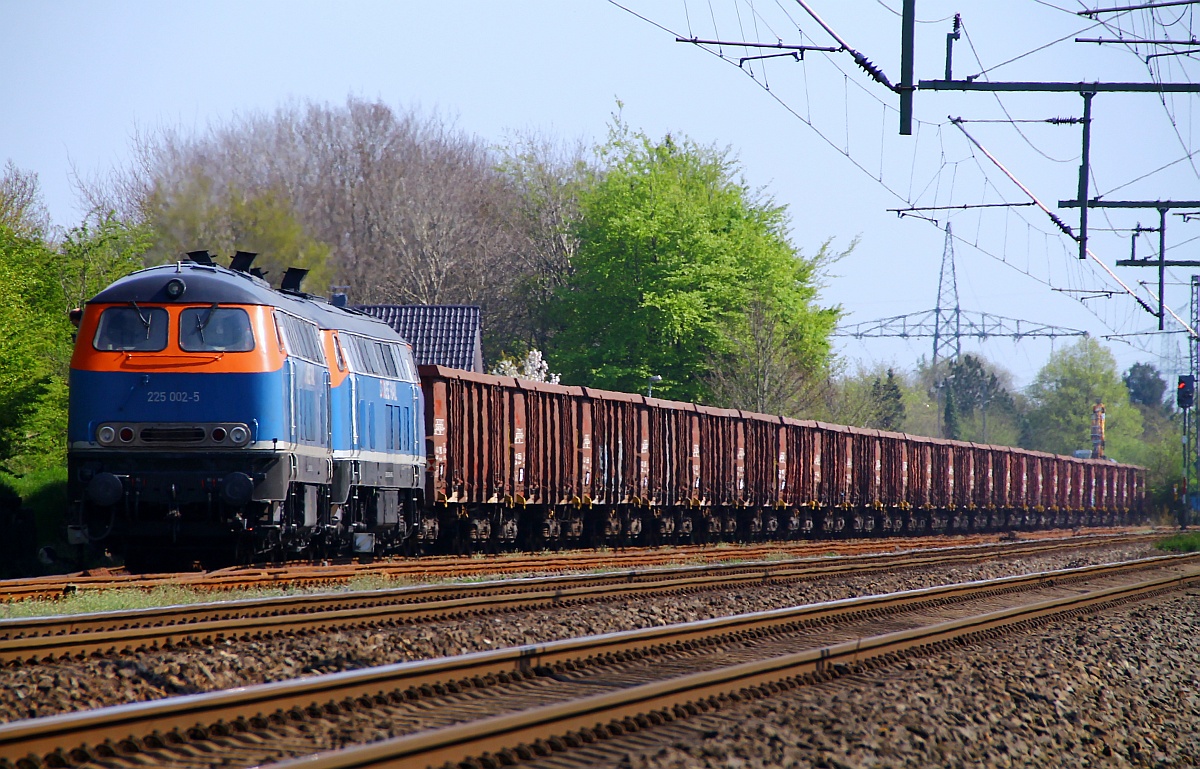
pixel 520 462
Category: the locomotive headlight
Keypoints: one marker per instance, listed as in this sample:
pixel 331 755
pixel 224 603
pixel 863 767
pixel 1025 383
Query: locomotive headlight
pixel 239 435
pixel 174 288
pixel 106 435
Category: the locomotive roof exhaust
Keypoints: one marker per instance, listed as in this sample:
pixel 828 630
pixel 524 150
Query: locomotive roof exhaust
pixel 292 279
pixel 242 261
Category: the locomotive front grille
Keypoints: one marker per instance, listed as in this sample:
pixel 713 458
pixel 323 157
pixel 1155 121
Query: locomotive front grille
pixel 172 435
pixel 159 435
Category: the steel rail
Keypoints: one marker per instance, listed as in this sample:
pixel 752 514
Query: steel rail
pixel 56 637
pixel 543 730
pixel 442 566
pixel 318 601
pixel 194 714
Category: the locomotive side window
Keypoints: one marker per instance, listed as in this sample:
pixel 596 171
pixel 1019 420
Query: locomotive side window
pixel 382 359
pixel 215 329
pixel 133 329
pixel 300 337
pixel 362 356
pixel 385 355
pixel 369 357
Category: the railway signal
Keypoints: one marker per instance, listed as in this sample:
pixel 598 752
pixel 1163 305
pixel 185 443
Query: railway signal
pixel 1185 393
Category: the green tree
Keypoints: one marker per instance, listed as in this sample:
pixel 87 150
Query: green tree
pixel 98 252
pixel 545 179
pixel 673 249
pixel 35 339
pixel 39 285
pixel 986 408
pixel 1158 449
pixel 200 214
pixel 1145 384
pixel 21 208
pixel 950 426
pixel 1063 393
pixel 889 402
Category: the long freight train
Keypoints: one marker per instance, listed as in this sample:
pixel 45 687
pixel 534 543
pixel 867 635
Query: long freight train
pixel 214 419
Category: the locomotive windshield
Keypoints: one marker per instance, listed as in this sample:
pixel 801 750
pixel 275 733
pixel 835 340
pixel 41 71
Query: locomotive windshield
pixel 134 329
pixel 215 329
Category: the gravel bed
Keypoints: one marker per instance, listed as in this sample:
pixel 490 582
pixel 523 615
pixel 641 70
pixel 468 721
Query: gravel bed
pixel 1119 688
pixel 42 690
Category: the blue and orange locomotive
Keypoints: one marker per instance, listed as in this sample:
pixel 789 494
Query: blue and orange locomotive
pixel 215 419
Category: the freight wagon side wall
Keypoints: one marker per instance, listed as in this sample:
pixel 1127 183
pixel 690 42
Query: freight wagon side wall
pixel 894 475
pixel 502 440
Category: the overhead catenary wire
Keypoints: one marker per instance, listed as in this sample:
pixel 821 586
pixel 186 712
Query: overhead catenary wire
pixel 1054 217
pixel 1138 7
pixel 1000 102
pixel 858 57
pixel 1113 26
pixel 1049 268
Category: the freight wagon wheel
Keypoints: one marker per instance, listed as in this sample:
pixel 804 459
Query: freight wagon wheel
pixel 634 528
pixel 687 528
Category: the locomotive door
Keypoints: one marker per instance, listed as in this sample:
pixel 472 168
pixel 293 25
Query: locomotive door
pixel 354 412
pixel 289 396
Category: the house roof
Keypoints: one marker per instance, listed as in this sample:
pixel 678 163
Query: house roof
pixel 441 334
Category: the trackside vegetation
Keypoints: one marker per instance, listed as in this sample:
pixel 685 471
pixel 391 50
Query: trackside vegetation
pixel 1188 542
pixel 676 255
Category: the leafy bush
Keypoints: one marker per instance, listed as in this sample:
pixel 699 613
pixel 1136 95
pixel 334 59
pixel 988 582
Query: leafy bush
pixel 1181 543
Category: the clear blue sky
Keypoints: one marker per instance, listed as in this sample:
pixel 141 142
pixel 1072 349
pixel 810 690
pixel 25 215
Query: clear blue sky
pixel 81 78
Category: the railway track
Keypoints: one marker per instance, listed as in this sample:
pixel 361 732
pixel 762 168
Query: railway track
pixel 451 567
pixel 40 639
pixel 514 704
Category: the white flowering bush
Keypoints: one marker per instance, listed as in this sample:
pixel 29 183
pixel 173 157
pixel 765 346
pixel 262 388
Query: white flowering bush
pixel 533 368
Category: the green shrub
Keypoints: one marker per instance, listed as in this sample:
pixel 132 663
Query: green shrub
pixel 44 494
pixel 1180 543
pixel 32 506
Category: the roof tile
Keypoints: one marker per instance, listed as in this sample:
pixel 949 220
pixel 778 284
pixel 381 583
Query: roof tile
pixel 441 334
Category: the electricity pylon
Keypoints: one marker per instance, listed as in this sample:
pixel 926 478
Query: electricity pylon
pixel 947 315
pixel 948 323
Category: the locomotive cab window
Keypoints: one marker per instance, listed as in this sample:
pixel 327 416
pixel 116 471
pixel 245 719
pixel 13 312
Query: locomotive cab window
pixel 377 358
pixel 215 329
pixel 337 353
pixel 132 329
pixel 408 365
